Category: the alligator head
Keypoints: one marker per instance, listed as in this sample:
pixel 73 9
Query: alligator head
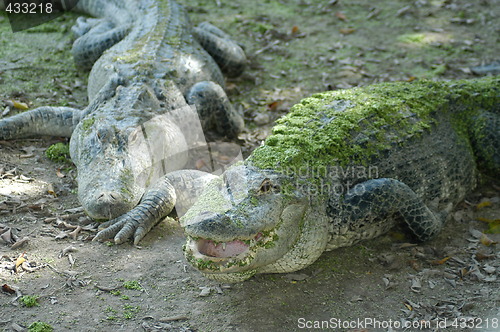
pixel 121 148
pixel 247 221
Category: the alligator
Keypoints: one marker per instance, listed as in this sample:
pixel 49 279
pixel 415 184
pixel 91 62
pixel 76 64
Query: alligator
pixel 346 166
pixel 146 61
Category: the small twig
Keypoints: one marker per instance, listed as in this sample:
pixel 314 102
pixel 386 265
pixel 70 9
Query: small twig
pixel 67 250
pixel 173 318
pixel 268 46
pixel 107 289
pixel 74 234
pixel 28 268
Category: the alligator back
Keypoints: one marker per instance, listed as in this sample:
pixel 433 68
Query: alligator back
pixel 419 133
pixel 157 43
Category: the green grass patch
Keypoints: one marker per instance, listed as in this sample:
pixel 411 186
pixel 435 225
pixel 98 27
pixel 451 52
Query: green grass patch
pixel 40 327
pixel 58 152
pixel 29 300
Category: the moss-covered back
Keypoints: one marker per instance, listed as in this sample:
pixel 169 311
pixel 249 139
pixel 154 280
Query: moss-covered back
pixel 351 126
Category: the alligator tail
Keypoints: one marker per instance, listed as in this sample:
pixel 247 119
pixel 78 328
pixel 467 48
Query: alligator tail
pixel 50 121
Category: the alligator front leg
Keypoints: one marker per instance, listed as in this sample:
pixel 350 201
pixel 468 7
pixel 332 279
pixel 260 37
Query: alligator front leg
pixel 50 121
pixel 371 208
pixel 214 108
pixel 226 52
pixel 156 204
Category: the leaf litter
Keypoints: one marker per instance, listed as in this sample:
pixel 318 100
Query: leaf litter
pixel 469 268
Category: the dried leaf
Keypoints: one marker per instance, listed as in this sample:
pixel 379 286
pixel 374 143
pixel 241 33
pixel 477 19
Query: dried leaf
pixel 489 269
pixel 475 233
pixel 432 284
pixel 20 260
pixel 296 276
pixel 493 225
pixel 416 285
pixel 200 164
pixel 414 265
pixel 341 16
pixel 489 221
pixel 440 261
pixel 61 236
pixel 274 105
pixel 71 260
pixel 486 240
pixel 482 256
pixel 173 318
pixel 452 282
pixel 59 173
pixel 494 228
pixel 463 272
pixel 6 235
pixel 51 191
pixel 19 105
pixel 6 288
pixel 205 291
pixel 20 243
pixel 67 250
pixel 347 31
pixel 483 204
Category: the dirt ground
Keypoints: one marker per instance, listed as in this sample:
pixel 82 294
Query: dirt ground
pixel 296 48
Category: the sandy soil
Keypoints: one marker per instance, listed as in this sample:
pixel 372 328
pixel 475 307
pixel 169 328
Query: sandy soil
pixel 296 48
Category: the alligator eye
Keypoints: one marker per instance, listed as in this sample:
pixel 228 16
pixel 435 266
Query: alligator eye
pixel 267 186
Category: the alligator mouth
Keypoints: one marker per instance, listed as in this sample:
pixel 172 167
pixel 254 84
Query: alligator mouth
pixel 221 250
pixel 212 256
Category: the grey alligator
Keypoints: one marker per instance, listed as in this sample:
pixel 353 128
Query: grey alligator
pixel 345 166
pixel 146 60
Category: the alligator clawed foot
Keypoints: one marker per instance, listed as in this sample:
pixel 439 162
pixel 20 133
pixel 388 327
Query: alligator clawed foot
pixel 111 229
pixel 121 229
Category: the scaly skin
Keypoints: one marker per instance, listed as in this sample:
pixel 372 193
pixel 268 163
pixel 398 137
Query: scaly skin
pixel 150 69
pixel 346 166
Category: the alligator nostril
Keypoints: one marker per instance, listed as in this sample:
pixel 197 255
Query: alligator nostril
pixel 108 196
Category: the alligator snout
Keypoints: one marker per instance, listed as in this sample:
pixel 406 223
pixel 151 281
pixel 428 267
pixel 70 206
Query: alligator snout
pixel 107 205
pixel 108 197
pixel 221 227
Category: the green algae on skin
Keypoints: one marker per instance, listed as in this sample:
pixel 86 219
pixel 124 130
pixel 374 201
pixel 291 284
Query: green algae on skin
pixel 88 123
pixel 211 200
pixel 353 126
